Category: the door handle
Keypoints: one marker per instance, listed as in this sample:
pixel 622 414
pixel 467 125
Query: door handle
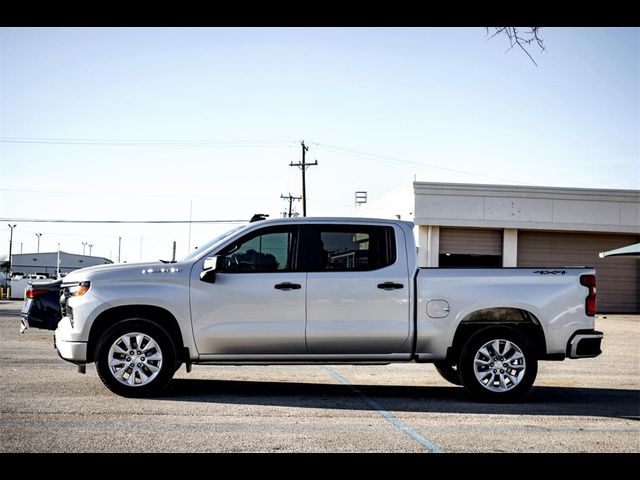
pixel 287 286
pixel 390 286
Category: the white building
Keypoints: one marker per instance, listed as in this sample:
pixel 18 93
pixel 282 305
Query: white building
pixel 522 226
pixel 46 262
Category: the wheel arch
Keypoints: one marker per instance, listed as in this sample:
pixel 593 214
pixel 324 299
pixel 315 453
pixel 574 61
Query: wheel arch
pixel 517 318
pixel 158 315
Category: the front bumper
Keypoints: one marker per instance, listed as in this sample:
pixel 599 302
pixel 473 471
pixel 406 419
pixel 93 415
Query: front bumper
pixel 585 344
pixel 68 349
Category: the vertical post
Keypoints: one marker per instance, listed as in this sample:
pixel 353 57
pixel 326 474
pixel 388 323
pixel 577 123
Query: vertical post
pixel 173 257
pixel 38 235
pixel 190 212
pixel 428 245
pixel 90 248
pixel 305 149
pixel 58 263
pixel 510 247
pixel 21 247
pixel 10 245
pixel 434 246
pixel 303 166
pixel 119 245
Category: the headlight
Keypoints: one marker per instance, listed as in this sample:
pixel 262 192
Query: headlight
pixel 80 289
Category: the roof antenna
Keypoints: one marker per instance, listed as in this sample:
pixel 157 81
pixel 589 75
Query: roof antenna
pixel 258 216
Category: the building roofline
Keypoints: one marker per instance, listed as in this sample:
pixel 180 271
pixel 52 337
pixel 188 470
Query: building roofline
pixel 529 190
pixel 61 252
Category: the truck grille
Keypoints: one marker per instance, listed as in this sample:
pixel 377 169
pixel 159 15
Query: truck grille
pixel 63 303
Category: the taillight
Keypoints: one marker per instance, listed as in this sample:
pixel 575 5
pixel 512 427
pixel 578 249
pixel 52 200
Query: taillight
pixel 34 293
pixel 589 281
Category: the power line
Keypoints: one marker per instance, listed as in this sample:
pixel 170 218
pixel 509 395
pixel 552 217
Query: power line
pixel 399 161
pixel 145 142
pixel 121 194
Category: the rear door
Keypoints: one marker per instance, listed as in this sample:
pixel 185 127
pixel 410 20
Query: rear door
pixel 357 289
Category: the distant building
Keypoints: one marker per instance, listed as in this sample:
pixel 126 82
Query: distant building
pixel 46 263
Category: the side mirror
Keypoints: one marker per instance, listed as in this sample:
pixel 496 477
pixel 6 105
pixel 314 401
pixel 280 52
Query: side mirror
pixel 210 267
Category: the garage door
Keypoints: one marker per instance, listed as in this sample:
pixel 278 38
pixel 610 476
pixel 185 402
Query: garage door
pixel 470 247
pixel 617 278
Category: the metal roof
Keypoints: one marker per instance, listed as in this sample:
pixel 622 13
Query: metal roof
pixel 632 251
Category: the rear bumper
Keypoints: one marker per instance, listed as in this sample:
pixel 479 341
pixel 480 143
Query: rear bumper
pixel 37 314
pixel 584 344
pixel 32 321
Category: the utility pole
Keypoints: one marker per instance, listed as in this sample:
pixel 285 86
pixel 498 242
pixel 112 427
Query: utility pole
pixel 84 244
pixel 303 166
pixel 290 198
pixel 38 235
pixel 190 213
pixel 90 247
pixel 10 245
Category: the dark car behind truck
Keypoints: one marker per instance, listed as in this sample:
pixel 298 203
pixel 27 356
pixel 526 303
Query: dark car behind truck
pixel 42 306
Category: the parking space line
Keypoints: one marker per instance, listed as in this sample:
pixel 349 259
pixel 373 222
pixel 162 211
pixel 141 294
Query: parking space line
pixel 399 424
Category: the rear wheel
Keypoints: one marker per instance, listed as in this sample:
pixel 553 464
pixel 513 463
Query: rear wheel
pixel 448 371
pixel 135 358
pixel 498 365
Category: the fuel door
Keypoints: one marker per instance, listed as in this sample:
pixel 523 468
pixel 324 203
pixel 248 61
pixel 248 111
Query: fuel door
pixel 438 308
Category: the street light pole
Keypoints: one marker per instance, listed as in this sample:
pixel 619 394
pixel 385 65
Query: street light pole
pixel 84 244
pixel 10 245
pixel 90 247
pixel 58 263
pixel 38 235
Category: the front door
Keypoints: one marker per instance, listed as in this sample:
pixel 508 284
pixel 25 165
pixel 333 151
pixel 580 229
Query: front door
pixel 357 289
pixel 257 304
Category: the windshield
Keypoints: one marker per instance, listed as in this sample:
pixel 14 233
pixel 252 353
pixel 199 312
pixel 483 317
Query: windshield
pixel 219 239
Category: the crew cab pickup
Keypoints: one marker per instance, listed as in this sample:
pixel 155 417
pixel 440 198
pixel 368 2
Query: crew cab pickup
pixel 324 291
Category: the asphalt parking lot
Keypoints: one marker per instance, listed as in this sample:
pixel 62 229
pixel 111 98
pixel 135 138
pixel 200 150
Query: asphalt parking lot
pixel 590 405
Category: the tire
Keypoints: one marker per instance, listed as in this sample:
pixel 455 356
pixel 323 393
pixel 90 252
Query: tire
pixel 448 371
pixel 479 357
pixel 141 374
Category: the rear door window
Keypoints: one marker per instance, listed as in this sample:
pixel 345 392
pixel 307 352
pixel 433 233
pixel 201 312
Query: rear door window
pixel 348 247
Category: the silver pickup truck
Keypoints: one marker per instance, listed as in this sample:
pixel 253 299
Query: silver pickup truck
pixel 324 291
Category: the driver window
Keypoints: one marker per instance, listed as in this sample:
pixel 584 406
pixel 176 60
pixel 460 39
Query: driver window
pixel 262 253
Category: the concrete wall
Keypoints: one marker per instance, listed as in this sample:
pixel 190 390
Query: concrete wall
pixel 540 208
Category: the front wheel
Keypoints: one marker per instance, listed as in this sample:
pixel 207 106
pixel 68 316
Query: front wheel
pixel 135 358
pixel 498 365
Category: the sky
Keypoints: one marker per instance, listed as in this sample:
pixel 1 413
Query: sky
pixel 202 123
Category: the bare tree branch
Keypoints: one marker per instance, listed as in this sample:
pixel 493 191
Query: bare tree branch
pixel 521 39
